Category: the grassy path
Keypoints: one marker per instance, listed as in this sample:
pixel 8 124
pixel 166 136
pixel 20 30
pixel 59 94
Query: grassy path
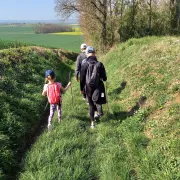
pixel 138 139
pixel 74 151
pixel 70 145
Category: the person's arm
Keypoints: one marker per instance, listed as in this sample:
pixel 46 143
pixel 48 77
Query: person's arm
pixel 103 73
pixel 44 93
pixel 83 75
pixel 66 88
pixel 78 67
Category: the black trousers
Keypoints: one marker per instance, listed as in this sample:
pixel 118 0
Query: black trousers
pixel 84 93
pixel 93 108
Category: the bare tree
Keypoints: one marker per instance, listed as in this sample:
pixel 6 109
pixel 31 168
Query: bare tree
pixel 97 18
pixel 65 8
pixel 105 21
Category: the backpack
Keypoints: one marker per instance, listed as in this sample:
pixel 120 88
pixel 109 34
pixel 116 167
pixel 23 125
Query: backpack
pixel 84 60
pixel 92 75
pixel 53 93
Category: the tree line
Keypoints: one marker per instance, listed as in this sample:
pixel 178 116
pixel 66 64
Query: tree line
pixel 51 28
pixel 107 22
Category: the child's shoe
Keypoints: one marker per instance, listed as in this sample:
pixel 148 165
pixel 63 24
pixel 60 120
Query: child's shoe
pixel 49 127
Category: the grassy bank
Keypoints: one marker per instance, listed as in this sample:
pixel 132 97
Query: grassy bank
pixel 144 79
pixel 22 106
pixel 137 139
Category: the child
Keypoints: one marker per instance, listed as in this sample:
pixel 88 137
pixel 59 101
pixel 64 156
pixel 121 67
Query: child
pixel 53 91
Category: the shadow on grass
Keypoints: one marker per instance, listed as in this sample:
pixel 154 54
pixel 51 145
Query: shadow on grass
pixel 138 105
pixel 84 121
pixel 122 115
pixel 119 89
pixel 82 118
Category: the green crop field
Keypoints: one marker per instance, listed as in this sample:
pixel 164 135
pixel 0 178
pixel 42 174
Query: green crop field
pixel 26 34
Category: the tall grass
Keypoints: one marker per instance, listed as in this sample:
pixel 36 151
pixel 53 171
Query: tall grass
pixel 137 139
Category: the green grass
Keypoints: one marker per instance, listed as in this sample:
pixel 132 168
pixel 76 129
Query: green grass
pixel 26 34
pixel 137 139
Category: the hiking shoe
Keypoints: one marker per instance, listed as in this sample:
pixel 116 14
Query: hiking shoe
pixel 49 127
pixel 92 126
pixel 96 116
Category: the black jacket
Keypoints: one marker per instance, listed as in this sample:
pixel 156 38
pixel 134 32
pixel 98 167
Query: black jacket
pixel 84 67
pixel 99 95
pixel 79 60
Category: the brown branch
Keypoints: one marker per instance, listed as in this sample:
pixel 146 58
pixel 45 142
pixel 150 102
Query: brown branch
pixel 97 7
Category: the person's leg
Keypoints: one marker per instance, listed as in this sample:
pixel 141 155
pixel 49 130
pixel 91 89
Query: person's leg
pixel 59 110
pixel 51 115
pixel 52 110
pixel 85 98
pixel 92 108
pixel 99 109
pixel 84 94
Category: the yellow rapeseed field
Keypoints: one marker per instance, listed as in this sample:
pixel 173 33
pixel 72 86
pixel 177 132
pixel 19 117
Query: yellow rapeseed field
pixel 69 33
pixel 76 32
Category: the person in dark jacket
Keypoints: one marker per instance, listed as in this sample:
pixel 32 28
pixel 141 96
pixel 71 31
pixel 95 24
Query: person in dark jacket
pixel 79 60
pixel 93 105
